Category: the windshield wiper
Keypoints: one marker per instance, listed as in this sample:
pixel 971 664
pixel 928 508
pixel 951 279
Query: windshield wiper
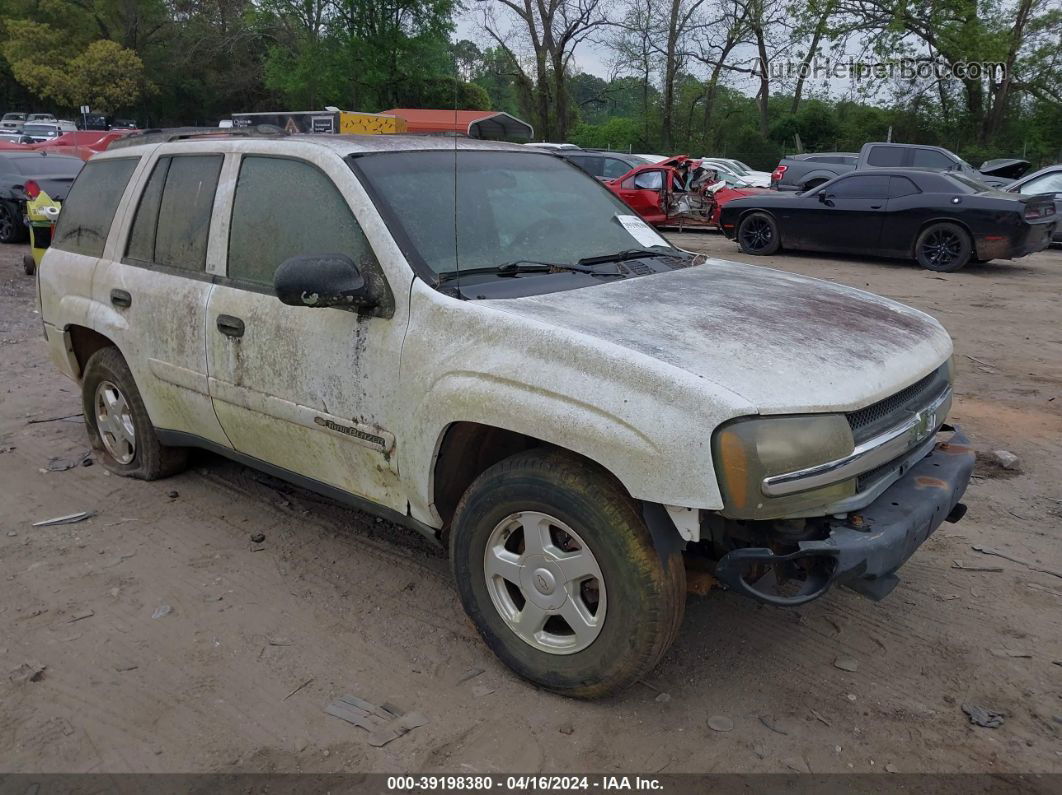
pixel 620 256
pixel 527 266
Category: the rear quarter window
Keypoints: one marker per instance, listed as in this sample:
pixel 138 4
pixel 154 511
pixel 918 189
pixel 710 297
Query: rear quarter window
pixel 88 211
pixel 885 156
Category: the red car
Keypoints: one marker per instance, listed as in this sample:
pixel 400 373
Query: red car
pixel 665 193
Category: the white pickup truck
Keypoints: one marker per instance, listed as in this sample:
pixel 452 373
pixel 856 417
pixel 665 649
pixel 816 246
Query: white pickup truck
pixel 479 341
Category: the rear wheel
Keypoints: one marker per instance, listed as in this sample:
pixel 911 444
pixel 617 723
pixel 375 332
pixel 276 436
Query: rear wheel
pixel 943 248
pixel 118 424
pixel 557 570
pixel 12 230
pixel 758 234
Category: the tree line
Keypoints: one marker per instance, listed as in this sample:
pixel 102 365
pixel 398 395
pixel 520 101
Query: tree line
pixel 739 78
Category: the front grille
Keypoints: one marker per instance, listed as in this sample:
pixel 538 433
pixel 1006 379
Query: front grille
pixel 877 417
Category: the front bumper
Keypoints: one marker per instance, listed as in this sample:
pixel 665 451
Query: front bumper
pixel 864 550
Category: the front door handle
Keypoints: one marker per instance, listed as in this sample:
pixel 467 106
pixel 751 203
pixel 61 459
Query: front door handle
pixel 875 207
pixel 121 298
pixel 230 326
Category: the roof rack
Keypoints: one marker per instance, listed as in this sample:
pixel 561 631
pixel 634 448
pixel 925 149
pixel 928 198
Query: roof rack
pixel 166 135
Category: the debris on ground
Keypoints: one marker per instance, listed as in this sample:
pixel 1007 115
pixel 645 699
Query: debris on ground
pixel 979 716
pixel 162 611
pixel 471 673
pixel 1034 585
pixel 60 464
pixel 29 671
pixel 567 728
pixel 384 723
pixel 819 718
pixel 297 689
pixel 280 641
pixel 663 698
pixel 768 721
pixel 1011 653
pixel 1006 460
pixel 991 551
pixel 482 690
pixel 958 564
pixel 80 615
pixel 257 538
pixel 68 519
pixel 173 495
pixel 720 723
pixel 121 667
pixel 846 664
pixel 54 419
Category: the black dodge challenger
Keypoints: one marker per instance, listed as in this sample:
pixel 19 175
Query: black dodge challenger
pixel 940 219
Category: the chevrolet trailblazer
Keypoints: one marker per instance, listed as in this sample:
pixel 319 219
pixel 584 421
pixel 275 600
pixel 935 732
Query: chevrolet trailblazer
pixel 480 341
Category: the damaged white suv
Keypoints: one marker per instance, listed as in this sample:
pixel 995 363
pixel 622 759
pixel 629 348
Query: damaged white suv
pixel 479 341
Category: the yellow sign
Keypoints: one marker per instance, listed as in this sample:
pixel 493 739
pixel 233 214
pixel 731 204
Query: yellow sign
pixel 370 123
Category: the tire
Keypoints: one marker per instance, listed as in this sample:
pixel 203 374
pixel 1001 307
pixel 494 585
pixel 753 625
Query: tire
pixel 12 230
pixel 641 592
pixel 757 234
pixel 943 247
pixel 128 444
pixel 28 264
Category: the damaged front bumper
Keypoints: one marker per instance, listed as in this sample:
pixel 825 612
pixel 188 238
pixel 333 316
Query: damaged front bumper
pixel 864 550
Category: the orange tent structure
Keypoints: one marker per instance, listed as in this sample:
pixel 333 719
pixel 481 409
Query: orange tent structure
pixel 473 123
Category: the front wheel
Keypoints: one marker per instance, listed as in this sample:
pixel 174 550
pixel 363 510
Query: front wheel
pixel 557 570
pixel 758 234
pixel 943 247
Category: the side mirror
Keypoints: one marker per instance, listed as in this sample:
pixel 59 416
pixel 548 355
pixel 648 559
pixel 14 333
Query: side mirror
pixel 822 197
pixel 319 280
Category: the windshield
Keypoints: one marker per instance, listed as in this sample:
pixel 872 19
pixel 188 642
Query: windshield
pixel 41 130
pixel 14 117
pixel 48 166
pixel 506 207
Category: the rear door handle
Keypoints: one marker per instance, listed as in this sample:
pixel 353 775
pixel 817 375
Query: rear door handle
pixel 121 298
pixel 230 326
pixel 875 207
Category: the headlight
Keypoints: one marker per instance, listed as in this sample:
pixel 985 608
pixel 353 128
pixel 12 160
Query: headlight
pixel 748 450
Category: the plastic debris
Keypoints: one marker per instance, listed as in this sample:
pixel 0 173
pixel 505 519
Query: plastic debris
pixel 384 723
pixel 68 519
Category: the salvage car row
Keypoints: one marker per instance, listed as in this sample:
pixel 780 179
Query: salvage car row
pixel 893 200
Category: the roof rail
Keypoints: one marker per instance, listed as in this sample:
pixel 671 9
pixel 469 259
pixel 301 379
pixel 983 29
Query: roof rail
pixel 165 135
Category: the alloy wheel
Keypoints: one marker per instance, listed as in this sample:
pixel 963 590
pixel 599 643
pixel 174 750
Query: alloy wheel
pixel 942 247
pixel 756 234
pixel 114 421
pixel 545 582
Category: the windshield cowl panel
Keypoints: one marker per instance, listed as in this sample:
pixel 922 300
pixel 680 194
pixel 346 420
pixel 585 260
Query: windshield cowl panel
pixel 481 223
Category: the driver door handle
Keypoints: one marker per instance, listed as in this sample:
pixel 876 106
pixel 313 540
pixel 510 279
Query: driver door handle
pixel 230 326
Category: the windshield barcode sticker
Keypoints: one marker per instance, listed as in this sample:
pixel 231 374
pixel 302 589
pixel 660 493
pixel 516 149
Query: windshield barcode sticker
pixel 641 231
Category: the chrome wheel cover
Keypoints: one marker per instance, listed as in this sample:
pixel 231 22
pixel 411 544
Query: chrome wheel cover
pixel 114 421
pixel 545 582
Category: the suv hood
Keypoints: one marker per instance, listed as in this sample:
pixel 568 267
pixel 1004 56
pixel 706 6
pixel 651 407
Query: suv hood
pixel 785 343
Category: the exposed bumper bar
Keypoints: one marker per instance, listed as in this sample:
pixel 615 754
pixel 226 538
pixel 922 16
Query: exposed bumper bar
pixel 864 552
pixel 866 456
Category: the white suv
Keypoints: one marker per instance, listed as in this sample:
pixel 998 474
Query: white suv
pixel 479 341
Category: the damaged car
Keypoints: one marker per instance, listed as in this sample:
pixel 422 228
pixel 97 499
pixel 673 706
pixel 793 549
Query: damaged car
pixel 514 365
pixel 942 220
pixel 679 192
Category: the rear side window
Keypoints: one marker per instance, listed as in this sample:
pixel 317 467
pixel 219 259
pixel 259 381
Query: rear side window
pixel 901 186
pixel 885 156
pixel 928 158
pixel 172 223
pixel 285 208
pixel 591 165
pixel 614 167
pixel 89 208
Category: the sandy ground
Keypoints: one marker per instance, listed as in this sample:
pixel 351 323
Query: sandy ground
pixel 258 639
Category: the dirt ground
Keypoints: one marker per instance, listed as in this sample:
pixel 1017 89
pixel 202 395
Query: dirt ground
pixel 259 638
